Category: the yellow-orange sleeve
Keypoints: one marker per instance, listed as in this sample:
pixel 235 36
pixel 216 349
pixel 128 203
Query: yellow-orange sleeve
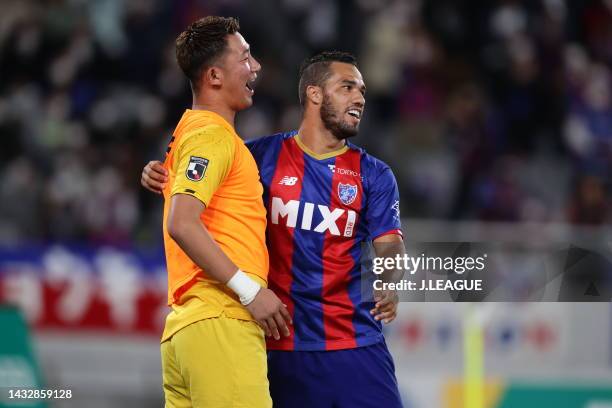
pixel 203 159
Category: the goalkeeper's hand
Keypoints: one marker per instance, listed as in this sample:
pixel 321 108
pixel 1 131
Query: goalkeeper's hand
pixel 270 313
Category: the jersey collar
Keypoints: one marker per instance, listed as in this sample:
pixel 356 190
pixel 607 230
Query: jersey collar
pixel 319 156
pixel 215 117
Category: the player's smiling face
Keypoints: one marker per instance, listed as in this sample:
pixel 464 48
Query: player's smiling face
pixel 343 100
pixel 240 70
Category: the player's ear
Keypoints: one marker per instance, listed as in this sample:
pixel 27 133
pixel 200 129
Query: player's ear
pixel 314 94
pixel 213 76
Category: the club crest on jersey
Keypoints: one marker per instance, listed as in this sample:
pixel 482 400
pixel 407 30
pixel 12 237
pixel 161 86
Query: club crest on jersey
pixel 196 168
pixel 347 193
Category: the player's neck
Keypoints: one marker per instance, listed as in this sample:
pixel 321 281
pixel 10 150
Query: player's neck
pixel 318 139
pixel 220 109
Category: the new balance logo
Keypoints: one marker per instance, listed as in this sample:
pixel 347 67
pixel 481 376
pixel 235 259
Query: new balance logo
pixel 329 217
pixel 288 181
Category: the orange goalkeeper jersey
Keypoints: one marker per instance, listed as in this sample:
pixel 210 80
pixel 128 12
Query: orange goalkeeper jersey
pixel 207 159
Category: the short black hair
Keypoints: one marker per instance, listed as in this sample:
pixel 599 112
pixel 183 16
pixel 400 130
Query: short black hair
pixel 202 43
pixel 315 70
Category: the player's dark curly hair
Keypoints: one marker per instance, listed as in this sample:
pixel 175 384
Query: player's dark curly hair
pixel 315 70
pixel 202 43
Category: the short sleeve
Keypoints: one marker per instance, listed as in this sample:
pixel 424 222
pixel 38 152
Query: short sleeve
pixel 382 210
pixel 203 160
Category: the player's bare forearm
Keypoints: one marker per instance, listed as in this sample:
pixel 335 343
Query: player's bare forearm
pixel 186 228
pixel 388 246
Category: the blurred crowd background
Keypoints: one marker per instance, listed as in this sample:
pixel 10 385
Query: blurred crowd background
pixel 486 110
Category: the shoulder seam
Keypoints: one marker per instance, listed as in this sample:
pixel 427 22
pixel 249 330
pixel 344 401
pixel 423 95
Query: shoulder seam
pixel 204 129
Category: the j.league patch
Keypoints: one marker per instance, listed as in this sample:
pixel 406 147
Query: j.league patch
pixel 196 168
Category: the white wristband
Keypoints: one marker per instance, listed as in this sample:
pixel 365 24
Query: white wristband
pixel 245 287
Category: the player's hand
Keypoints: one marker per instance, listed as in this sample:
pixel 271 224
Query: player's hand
pixel 385 308
pixel 154 176
pixel 270 313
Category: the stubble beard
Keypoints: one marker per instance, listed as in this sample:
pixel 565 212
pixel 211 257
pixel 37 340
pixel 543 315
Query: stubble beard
pixel 340 128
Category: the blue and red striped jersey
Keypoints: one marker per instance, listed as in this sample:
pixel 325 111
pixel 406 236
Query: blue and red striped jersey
pixel 321 209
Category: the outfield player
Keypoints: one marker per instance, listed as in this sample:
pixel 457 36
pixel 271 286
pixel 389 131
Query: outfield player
pixel 213 352
pixel 325 197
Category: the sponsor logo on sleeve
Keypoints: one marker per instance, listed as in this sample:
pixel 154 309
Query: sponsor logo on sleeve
pixel 395 207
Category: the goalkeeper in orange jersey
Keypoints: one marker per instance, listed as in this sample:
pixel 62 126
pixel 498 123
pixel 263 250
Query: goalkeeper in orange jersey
pixel 213 349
